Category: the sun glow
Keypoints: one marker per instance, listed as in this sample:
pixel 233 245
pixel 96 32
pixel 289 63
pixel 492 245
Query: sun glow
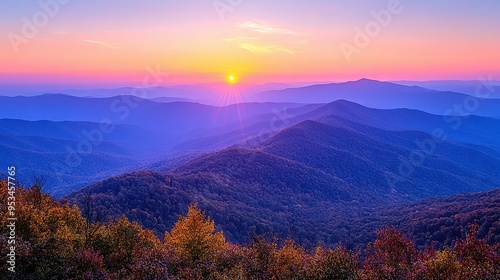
pixel 232 79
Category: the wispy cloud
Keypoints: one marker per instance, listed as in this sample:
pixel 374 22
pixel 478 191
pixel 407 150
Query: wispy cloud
pixel 264 49
pixel 102 44
pixel 242 38
pixel 265 29
pixel 252 44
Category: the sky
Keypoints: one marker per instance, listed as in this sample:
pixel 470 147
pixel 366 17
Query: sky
pixel 119 42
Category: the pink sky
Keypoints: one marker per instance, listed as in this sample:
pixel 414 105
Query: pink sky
pixel 257 41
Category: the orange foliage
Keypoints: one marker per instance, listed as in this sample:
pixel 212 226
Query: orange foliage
pixel 53 242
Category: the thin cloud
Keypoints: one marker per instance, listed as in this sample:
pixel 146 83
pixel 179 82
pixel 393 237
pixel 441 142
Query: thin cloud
pixel 251 44
pixel 265 49
pixel 101 44
pixel 265 29
pixel 241 39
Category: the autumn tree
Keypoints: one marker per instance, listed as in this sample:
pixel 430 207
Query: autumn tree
pixel 437 265
pixel 338 263
pixel 48 234
pixel 391 257
pixel 260 257
pixel 54 241
pixel 230 264
pixel 194 237
pixel 121 244
pixel 289 262
pixel 479 260
pixel 93 218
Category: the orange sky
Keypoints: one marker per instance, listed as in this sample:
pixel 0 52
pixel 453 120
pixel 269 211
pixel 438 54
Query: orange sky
pixel 258 42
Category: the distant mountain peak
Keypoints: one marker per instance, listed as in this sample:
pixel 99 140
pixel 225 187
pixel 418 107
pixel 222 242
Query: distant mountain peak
pixel 53 93
pixel 346 102
pixel 367 80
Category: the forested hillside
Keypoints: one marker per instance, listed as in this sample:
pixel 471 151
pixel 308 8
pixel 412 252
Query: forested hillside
pixel 242 209
pixel 315 181
pixel 57 241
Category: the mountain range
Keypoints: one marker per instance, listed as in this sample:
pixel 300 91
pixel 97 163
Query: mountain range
pixel 314 162
pixel 385 95
pixel 467 87
pixel 310 175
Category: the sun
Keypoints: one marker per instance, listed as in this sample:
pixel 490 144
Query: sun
pixel 232 79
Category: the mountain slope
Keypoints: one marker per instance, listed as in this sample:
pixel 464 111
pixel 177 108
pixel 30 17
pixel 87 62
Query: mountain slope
pixel 364 160
pixel 435 221
pixel 472 129
pixel 384 95
pixel 76 130
pixel 156 199
pixel 64 170
pixel 170 118
pixel 245 191
pixel 70 155
pixel 491 88
pixel 305 177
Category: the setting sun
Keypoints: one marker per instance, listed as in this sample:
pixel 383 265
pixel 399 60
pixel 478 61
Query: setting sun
pixel 231 79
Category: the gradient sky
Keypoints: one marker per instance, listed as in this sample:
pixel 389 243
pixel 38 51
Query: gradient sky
pixel 114 41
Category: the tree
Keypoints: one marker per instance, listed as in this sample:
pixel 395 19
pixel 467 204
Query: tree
pixel 479 260
pixel 289 261
pixel 441 265
pixel 93 217
pixel 334 264
pixel 260 257
pixel 194 238
pixel 391 256
pixel 122 243
pixel 48 234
